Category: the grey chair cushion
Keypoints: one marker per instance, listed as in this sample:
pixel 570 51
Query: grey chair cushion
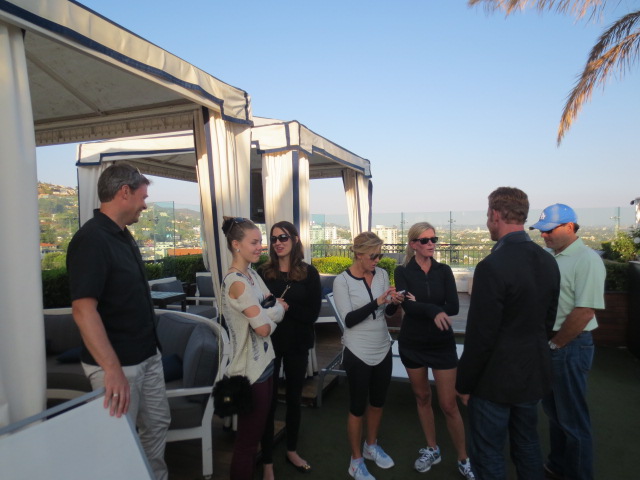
pixel 205 286
pixel 185 414
pixel 197 345
pixel 200 358
pixel 174 286
pixel 61 333
pixel 174 332
pixel 66 376
pixel 206 311
pixel 326 283
pixel 325 309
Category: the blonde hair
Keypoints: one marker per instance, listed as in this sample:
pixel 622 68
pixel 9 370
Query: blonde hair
pixel 365 242
pixel 414 232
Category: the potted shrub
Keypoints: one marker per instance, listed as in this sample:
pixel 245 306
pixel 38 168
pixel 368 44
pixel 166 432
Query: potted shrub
pixel 613 321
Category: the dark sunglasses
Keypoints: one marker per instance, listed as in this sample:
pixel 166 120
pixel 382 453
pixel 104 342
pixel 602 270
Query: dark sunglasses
pixel 283 237
pixel 552 230
pixel 375 256
pixel 229 223
pixel 426 240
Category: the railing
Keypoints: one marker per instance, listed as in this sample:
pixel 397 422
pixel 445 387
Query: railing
pixel 455 254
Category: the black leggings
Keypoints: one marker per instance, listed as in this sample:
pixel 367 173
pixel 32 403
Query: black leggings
pixel 366 381
pixel 295 371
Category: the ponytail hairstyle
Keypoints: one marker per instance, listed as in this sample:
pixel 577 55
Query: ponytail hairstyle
pixel 297 266
pixel 414 232
pixel 235 228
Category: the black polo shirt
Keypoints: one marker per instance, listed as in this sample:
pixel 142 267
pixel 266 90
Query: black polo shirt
pixel 104 263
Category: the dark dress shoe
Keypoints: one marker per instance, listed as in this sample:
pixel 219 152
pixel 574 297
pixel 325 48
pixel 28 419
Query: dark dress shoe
pixel 551 475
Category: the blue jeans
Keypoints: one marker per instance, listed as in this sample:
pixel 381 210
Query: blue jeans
pixel 490 423
pixel 569 423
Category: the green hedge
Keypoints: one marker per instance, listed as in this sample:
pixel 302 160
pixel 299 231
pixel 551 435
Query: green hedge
pixel 331 265
pixel 183 267
pixel 617 279
pixel 55 283
pixel 55 288
pixel 336 265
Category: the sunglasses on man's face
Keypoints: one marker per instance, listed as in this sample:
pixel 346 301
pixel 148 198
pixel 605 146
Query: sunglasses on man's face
pixel 425 240
pixel 283 237
pixel 548 232
pixel 376 256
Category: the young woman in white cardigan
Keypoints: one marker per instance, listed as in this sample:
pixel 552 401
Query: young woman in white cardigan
pixel 250 326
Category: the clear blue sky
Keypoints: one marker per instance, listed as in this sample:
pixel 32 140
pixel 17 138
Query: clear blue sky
pixel 447 102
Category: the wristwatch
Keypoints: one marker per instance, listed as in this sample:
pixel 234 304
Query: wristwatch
pixel 553 346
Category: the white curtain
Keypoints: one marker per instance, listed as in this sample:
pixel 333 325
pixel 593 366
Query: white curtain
pixel 358 190
pixel 223 163
pixel 22 355
pixel 88 188
pixel 285 183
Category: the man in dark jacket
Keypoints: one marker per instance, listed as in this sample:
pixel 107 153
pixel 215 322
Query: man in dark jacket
pixel 505 368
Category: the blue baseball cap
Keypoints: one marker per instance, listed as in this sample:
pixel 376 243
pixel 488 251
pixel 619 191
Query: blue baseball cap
pixel 553 216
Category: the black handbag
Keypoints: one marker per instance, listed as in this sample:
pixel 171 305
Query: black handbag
pixel 232 395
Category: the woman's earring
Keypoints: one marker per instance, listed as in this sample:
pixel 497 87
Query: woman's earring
pixel 238 250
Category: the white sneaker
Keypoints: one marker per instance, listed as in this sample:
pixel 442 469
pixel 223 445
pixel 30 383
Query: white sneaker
pixel 428 456
pixel 374 452
pixel 464 467
pixel 358 470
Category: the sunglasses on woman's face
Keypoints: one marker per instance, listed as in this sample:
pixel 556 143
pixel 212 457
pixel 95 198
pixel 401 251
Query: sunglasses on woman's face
pixel 425 240
pixel 283 237
pixel 376 256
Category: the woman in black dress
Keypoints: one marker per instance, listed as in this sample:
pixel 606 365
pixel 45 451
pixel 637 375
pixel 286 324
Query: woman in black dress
pixel 426 341
pixel 288 276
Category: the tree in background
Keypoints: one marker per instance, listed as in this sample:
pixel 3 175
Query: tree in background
pixel 617 48
pixel 54 260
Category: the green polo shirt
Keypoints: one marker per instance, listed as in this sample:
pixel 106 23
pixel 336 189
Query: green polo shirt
pixel 582 275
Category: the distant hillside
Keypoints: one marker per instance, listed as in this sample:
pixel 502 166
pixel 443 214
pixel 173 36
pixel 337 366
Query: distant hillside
pixel 50 189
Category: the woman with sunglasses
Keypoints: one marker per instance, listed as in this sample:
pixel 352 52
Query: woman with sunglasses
pixel 362 295
pixel 298 283
pixel 250 326
pixel 426 341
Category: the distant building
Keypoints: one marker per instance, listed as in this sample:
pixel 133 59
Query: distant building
pixel 177 252
pixel 319 234
pixel 389 235
pixel 48 248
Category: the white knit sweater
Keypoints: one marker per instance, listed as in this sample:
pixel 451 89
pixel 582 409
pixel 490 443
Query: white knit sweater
pixel 250 353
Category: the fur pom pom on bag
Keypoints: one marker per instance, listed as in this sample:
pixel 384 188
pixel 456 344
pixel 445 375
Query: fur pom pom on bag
pixel 232 395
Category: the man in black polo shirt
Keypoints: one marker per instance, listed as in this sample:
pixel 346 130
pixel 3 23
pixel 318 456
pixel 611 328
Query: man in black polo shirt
pixel 113 309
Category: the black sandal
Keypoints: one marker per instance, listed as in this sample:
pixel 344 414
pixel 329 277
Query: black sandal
pixel 306 468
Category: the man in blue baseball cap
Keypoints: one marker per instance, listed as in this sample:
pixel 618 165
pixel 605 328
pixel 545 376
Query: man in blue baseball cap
pixel 582 276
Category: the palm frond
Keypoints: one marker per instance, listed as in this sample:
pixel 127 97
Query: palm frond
pixel 577 8
pixel 617 49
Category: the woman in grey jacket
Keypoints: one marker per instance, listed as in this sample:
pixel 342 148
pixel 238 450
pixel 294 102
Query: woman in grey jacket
pixel 363 296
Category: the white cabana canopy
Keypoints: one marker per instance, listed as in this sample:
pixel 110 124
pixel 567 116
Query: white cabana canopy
pixel 286 154
pixel 71 75
pixel 291 155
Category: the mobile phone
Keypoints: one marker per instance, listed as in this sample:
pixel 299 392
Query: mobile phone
pixel 400 292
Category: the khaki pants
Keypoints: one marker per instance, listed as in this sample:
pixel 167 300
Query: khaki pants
pixel 148 408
